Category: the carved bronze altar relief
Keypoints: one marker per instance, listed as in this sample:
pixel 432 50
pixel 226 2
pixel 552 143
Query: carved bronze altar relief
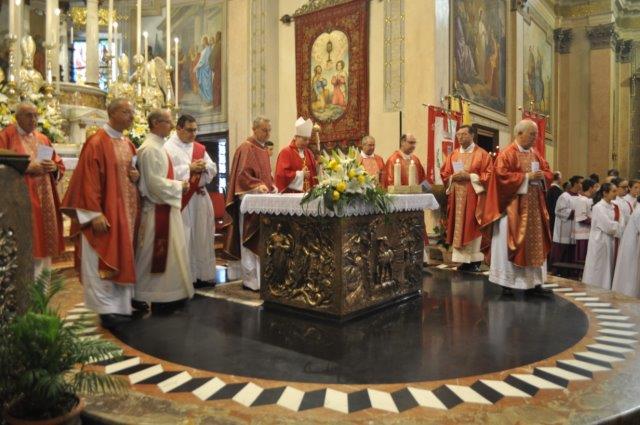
pixel 340 266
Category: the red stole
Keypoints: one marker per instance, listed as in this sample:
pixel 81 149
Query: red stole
pixel 161 234
pixel 616 241
pixel 194 178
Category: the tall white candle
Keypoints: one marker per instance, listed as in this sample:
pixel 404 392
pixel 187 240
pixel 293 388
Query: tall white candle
pixel 48 22
pixel 397 176
pixel 138 25
pixel 168 44
pixel 175 70
pixel 110 28
pixel 146 57
pixel 412 173
pixel 114 49
pixel 71 36
pixel 12 17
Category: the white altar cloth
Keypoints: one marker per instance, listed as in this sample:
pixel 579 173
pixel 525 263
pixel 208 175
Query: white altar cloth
pixel 289 204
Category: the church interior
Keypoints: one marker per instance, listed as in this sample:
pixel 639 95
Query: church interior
pixel 376 318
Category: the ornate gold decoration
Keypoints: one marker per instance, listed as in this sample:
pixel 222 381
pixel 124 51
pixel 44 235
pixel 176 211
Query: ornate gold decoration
pixel 79 16
pixel 90 100
pixel 311 6
pixel 593 7
pixel 30 81
pixel 8 267
pixel 121 88
pixel 341 267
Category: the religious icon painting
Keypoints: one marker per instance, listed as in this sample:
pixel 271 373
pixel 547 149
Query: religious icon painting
pixel 478 50
pixel 538 65
pixel 332 69
pixel 200 26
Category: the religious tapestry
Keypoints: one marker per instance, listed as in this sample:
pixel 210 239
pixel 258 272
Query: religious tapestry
pixel 478 50
pixel 441 139
pixel 332 57
pixel 538 65
pixel 200 27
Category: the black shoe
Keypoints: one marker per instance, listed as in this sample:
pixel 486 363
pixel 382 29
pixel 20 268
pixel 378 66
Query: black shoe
pixel 475 267
pixel 139 305
pixel 199 284
pixel 464 267
pixel 110 321
pixel 539 290
pixel 507 291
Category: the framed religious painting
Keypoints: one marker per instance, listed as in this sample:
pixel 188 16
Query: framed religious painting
pixel 332 57
pixel 479 53
pixel 537 90
pixel 200 26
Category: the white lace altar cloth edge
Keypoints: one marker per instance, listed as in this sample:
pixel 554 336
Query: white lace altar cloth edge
pixel 289 204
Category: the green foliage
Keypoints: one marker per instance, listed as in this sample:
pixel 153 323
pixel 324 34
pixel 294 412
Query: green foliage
pixel 43 359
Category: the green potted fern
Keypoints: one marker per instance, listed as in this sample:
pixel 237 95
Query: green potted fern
pixel 43 362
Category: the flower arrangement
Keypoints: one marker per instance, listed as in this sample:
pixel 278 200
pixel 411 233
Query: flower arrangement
pixel 138 130
pixel 50 121
pixel 344 182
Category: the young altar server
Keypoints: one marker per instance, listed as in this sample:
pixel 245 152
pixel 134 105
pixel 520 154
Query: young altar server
pixel 296 165
pixel 626 279
pixel 582 205
pixel 606 227
pixel 564 243
pixel 192 164
pixel 466 173
pixel 162 266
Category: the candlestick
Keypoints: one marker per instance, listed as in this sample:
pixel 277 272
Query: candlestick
pixel 397 179
pixel 110 28
pixel 412 173
pixel 138 25
pixel 71 36
pixel 146 58
pixel 168 44
pixel 12 17
pixel 114 63
pixel 175 72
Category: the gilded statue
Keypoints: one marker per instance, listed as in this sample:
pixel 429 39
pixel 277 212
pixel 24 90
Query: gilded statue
pixel 152 91
pixel 30 81
pixel 121 88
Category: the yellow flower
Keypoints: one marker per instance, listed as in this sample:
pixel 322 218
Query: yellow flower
pixel 341 187
pixel 352 173
pixel 361 179
pixel 332 164
pixel 337 168
pixel 336 195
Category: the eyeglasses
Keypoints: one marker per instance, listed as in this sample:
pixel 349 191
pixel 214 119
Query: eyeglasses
pixel 190 130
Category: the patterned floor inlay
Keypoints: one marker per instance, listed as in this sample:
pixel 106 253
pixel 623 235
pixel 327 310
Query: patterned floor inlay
pixel 615 341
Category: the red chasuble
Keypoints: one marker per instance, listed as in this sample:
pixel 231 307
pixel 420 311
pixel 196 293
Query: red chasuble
pixel 251 167
pixel 375 167
pixel 194 178
pixel 289 162
pixel 464 206
pixel 529 239
pixel 404 169
pixel 100 183
pixel 46 220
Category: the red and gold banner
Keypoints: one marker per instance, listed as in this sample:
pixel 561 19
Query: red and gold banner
pixel 541 122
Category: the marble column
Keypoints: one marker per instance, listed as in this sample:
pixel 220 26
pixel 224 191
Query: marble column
pixel 562 38
pixel 623 107
pixel 601 149
pixel 19 32
pixel 51 31
pixel 92 32
pixel 64 50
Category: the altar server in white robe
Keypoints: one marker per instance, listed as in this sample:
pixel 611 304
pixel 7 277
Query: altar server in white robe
pixel 626 279
pixel 626 208
pixel 162 265
pixel 634 192
pixel 606 225
pixel 564 242
pixel 582 219
pixel 192 164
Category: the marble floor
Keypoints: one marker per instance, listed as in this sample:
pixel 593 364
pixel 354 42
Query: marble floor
pixel 459 353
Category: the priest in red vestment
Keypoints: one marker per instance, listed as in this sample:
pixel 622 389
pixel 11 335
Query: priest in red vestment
pixel 466 173
pixel 404 156
pixel 515 204
pixel 44 171
pixel 103 203
pixel 296 166
pixel 372 163
pixel 250 173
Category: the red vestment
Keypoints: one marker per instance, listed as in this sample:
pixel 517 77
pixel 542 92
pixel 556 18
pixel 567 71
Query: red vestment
pixel 46 220
pixel 529 239
pixel 289 162
pixel 100 183
pixel 198 153
pixel 404 169
pixel 464 206
pixel 251 168
pixel 375 167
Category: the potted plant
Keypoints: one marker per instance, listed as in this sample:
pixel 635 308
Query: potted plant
pixel 43 362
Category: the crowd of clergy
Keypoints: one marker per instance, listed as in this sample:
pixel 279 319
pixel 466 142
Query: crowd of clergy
pixel 143 222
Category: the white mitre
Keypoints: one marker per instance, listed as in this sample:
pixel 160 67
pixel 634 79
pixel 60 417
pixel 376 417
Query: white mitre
pixel 304 128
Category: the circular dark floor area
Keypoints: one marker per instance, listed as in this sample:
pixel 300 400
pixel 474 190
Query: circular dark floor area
pixel 460 326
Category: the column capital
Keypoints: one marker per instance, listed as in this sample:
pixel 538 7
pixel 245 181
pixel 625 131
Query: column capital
pixel 602 36
pixel 518 5
pixel 563 38
pixel 623 51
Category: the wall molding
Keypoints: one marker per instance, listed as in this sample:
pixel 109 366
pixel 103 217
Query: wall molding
pixel 394 59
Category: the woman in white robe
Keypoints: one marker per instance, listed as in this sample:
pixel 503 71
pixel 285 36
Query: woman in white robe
pixel 626 279
pixel 600 261
pixel 176 282
pixel 197 215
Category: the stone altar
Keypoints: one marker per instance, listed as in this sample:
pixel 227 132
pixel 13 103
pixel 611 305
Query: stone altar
pixel 339 266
